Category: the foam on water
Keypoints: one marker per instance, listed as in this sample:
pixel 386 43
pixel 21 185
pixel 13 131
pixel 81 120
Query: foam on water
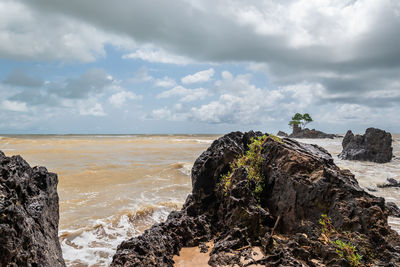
pixel 95 244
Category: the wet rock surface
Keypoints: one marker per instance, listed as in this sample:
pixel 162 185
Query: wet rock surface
pixel 300 182
pixel 28 215
pixel 375 145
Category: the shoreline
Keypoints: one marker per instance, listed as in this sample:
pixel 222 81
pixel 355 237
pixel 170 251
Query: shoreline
pixel 175 167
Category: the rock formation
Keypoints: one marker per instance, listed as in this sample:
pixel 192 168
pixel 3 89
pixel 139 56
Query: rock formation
pixel 286 198
pixel 307 133
pixel 375 145
pixel 391 182
pixel 28 215
pixel 282 134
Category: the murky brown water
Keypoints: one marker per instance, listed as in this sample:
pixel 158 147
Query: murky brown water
pixel 111 187
pixel 114 187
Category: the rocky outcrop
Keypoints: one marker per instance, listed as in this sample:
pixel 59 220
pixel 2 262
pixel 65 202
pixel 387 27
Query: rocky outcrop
pixel 290 209
pixel 390 182
pixel 311 134
pixel 282 134
pixel 375 145
pixel 28 215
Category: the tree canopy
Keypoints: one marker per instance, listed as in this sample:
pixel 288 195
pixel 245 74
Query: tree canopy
pixel 301 120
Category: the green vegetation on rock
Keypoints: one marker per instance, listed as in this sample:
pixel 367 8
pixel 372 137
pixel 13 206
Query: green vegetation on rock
pixel 345 250
pixel 251 161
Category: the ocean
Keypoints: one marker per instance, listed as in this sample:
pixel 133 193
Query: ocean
pixel 113 187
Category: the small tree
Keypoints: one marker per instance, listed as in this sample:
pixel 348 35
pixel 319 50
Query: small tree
pixel 301 120
pixel 306 119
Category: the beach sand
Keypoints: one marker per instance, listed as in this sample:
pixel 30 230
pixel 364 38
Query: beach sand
pixel 193 257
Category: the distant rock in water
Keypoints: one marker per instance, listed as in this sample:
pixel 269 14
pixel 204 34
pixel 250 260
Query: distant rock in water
pixel 284 198
pixel 311 134
pixel 28 215
pixel 391 182
pixel 375 145
pixel 283 134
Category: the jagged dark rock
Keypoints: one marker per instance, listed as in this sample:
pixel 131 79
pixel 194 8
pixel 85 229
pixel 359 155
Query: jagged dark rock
pixel 394 210
pixel 300 183
pixel 282 134
pixel 375 145
pixel 391 182
pixel 28 215
pixel 311 134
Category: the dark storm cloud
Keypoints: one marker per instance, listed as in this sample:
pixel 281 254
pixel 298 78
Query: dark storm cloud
pixel 207 33
pixel 354 48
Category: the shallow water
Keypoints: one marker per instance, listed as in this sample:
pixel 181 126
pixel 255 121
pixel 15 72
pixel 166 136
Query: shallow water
pixel 114 187
pixel 111 187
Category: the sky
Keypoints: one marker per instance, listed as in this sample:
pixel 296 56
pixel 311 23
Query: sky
pixel 186 66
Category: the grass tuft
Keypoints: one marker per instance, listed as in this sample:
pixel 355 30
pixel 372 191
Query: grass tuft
pixel 251 161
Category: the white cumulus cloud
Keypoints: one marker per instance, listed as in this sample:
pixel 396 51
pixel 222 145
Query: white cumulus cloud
pixel 201 76
pixel 165 82
pixel 118 99
pixel 93 110
pixel 186 95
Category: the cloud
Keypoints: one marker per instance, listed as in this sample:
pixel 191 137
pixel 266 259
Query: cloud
pixel 351 113
pixel 295 40
pixel 201 76
pixel 119 99
pixel 165 82
pixel 38 35
pixel 161 113
pixel 64 93
pixel 313 54
pixel 248 105
pixel 86 109
pixel 142 75
pixel 157 56
pixel 93 81
pixel 83 94
pixel 14 106
pixel 186 95
pixel 20 78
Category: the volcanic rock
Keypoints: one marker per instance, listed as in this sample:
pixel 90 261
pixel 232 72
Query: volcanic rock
pixel 283 134
pixel 311 134
pixel 391 182
pixel 300 186
pixel 28 215
pixel 375 145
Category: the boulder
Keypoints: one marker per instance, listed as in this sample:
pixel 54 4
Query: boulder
pixel 390 182
pixel 375 145
pixel 294 209
pixel 309 134
pixel 283 134
pixel 28 215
